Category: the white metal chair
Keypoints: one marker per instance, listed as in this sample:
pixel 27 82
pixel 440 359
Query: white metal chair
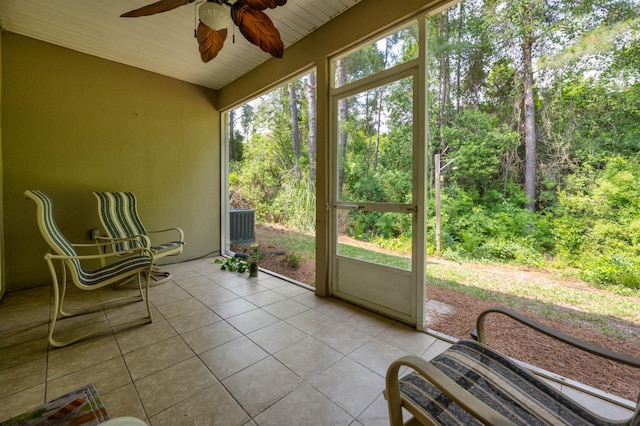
pixel 125 265
pixel 472 384
pixel 118 213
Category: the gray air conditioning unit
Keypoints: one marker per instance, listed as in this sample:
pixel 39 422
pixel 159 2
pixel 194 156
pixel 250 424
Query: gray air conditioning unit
pixel 242 226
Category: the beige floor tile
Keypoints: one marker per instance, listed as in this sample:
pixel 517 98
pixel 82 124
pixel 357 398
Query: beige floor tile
pixel 308 380
pixel 81 355
pixel 262 384
pixel 200 411
pixel 24 316
pixel 286 308
pixel 105 376
pixel 337 309
pixel 156 357
pixel 23 352
pixel 308 357
pixel 407 338
pixel 265 298
pixel 191 321
pixel 210 336
pixel 310 299
pixel 271 282
pixel 123 402
pixel 304 406
pixel 194 283
pixel 22 377
pixel 180 307
pixel 69 326
pixel 232 308
pixel 167 293
pixel 131 338
pixel 246 289
pixel 128 311
pixel 174 384
pixel 252 320
pixel 291 290
pixel 369 322
pixel 349 385
pixel 215 296
pixel 226 360
pixel 20 402
pixel 377 414
pixel 181 275
pixel 342 337
pixel 377 355
pixel 276 336
pixel 311 321
pixel 229 280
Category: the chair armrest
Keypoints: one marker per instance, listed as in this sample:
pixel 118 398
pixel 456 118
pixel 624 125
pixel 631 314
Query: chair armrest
pixel 140 252
pixel 105 241
pixel 577 343
pixel 451 389
pixel 178 230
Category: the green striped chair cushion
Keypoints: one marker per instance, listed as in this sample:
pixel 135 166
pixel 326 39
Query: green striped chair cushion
pixel 119 215
pixel 498 382
pixel 61 246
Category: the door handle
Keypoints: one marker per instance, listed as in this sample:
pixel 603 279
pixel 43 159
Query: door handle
pixel 354 206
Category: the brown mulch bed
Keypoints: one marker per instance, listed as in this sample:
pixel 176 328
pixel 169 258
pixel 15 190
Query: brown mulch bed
pixel 520 342
pixel 508 336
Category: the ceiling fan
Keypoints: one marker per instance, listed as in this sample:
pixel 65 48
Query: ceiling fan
pixel 247 15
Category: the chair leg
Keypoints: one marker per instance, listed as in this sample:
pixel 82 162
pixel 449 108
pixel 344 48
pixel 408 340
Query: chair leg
pixel 158 276
pixel 58 310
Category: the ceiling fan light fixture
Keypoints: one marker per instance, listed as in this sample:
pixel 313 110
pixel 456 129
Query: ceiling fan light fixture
pixel 215 16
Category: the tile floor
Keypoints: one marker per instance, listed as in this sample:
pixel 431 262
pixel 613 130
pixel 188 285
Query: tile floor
pixel 222 350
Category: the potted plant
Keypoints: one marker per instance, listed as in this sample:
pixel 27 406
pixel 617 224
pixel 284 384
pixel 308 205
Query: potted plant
pixel 243 262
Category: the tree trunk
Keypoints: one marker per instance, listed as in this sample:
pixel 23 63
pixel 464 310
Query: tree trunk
pixel 295 130
pixel 379 113
pixel 529 123
pixel 444 85
pixel 230 137
pixel 311 101
pixel 342 118
pixel 458 93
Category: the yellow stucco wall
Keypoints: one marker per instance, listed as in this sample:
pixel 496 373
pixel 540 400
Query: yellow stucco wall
pixel 73 124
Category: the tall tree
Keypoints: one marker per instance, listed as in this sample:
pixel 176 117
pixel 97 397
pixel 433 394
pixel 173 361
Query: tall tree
pixel 295 128
pixel 342 119
pixel 530 139
pixel 311 102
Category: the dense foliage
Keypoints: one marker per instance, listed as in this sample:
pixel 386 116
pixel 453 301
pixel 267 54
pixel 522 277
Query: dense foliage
pixel 520 92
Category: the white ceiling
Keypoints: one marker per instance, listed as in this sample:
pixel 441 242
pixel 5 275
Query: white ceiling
pixel 163 43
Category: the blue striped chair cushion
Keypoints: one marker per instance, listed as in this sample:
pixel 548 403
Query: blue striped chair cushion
pixel 498 382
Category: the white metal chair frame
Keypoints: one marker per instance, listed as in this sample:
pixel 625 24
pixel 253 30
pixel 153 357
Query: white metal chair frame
pixel 129 264
pixel 118 213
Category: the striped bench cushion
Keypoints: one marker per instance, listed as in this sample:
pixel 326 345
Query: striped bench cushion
pixel 498 382
pixel 166 246
pixel 97 276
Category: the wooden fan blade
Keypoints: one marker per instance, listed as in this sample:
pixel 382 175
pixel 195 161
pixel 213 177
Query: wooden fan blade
pixel 263 4
pixel 256 27
pixel 210 41
pixel 157 7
